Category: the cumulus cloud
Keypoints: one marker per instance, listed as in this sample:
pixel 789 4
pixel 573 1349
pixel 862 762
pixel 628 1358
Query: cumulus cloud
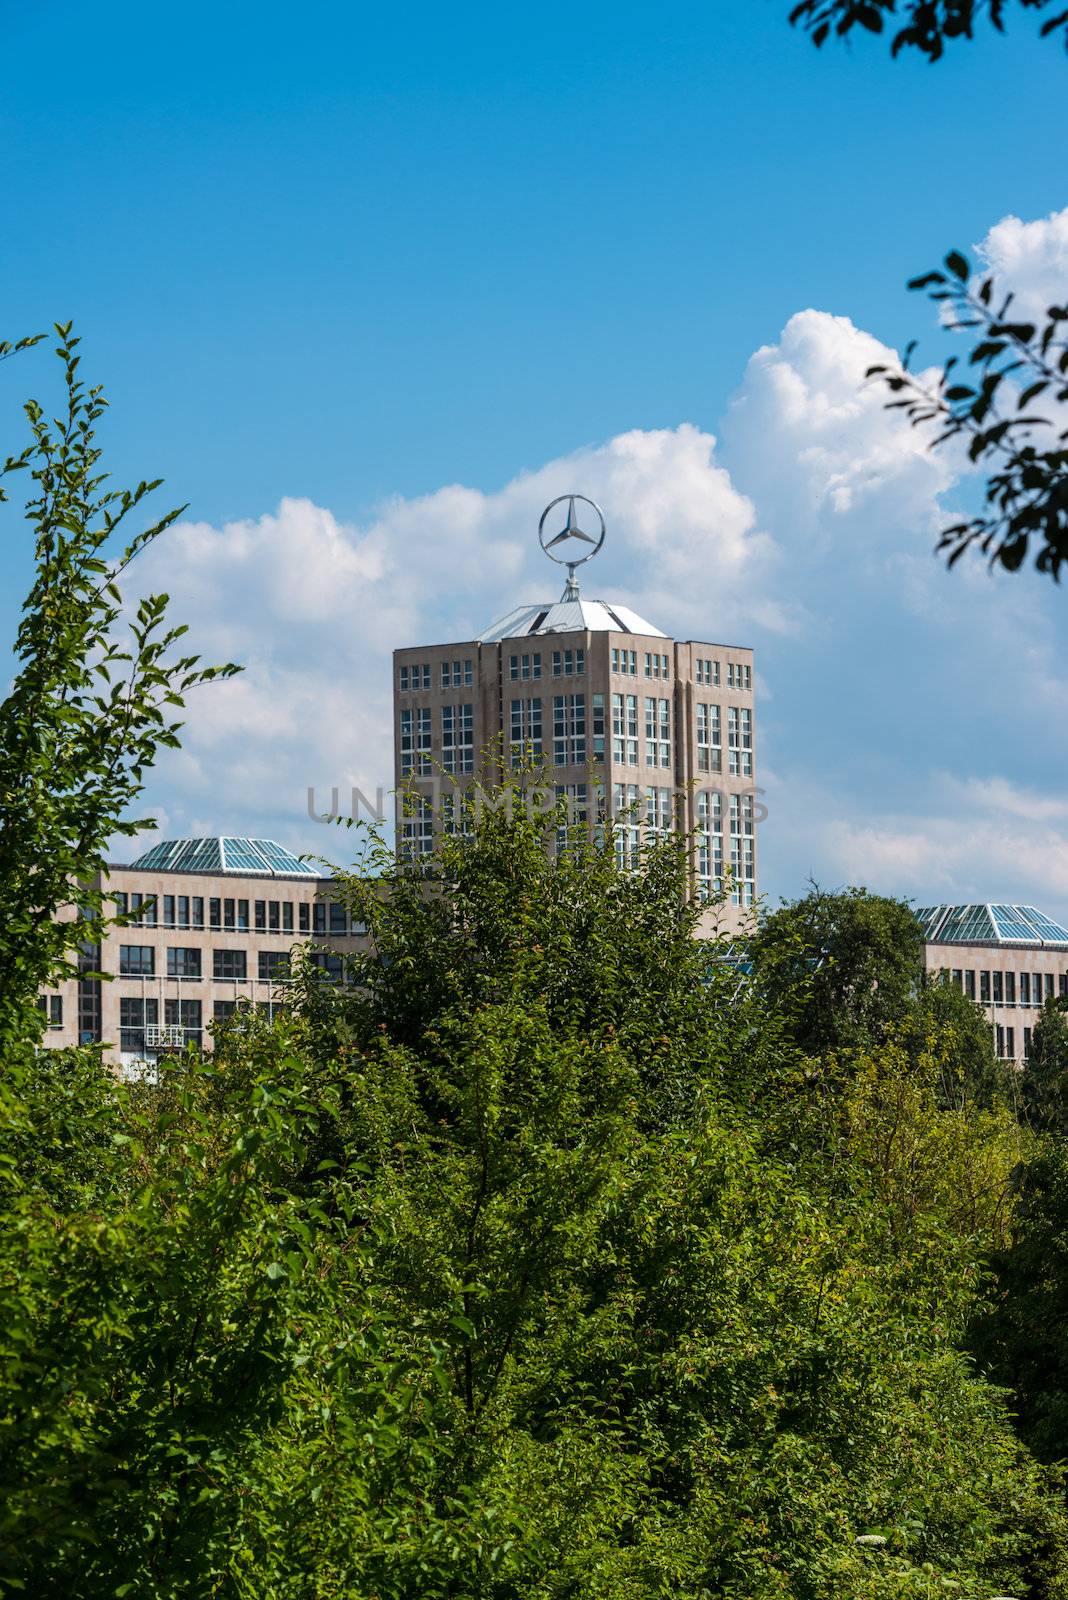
pixel 313 608
pixel 1031 258
pixel 806 530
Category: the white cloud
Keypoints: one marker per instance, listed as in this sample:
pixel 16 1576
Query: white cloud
pixel 808 532
pixel 1031 258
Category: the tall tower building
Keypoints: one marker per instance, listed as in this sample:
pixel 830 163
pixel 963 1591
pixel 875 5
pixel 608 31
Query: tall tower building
pixel 657 731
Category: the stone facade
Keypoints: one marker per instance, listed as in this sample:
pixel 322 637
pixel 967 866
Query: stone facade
pixel 622 719
pixel 203 943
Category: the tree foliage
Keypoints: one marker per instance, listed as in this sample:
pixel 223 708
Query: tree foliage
pixel 928 26
pixel 95 695
pixel 1014 366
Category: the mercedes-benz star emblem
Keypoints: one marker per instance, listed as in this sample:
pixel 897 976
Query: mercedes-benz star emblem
pixel 566 546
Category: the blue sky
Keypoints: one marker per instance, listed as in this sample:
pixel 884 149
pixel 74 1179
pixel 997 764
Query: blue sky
pixel 336 261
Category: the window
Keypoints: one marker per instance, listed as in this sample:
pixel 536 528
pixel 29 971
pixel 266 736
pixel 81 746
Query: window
pixel 956 977
pixel 999 1034
pixel 657 733
pixel 260 910
pixel 319 917
pixel 625 729
pixel 1025 988
pixel 524 667
pixel 457 674
pixel 414 677
pixel 417 828
pixel 184 1014
pixel 222 1009
pixel 332 965
pixel 597 704
pixel 1064 985
pixel 576 808
pixel 198 911
pixel 273 915
pixel 52 1007
pixel 984 988
pixel 708 672
pixel 739 675
pixel 656 666
pixel 625 661
pixel 273 966
pixel 969 982
pixel 569 730
pixel 709 737
pixel 305 917
pixel 121 902
pixel 183 911
pixel 1010 988
pixel 339 922
pixel 229 914
pixel 568 663
pixel 458 738
pixel 148 910
pixel 999 988
pixel 1049 985
pixel 1010 1043
pixel 743 876
pixel 710 842
pixel 287 916
pixel 658 809
pixel 135 1014
pixel 627 825
pixel 183 962
pixel 415 740
pixel 525 723
pixel 215 913
pixel 168 911
pixel 137 961
pixel 1027 1044
pixel 232 964
pixel 740 740
pixel 455 821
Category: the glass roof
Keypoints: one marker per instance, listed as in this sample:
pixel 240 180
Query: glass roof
pixel 989 924
pixel 225 854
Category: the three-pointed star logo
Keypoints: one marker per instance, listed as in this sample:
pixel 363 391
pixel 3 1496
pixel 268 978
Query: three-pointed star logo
pixel 572 529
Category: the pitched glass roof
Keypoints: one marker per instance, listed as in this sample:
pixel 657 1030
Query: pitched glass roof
pixel 989 924
pixel 225 854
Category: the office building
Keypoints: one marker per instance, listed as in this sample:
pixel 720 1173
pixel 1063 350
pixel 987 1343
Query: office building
pixel 211 925
pixel 1009 959
pixel 626 720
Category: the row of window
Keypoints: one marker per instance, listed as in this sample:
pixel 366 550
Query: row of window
pixel 565 664
pixel 454 675
pixel 137 1013
pixel 739 673
pixel 269 916
pixel 1010 988
pixel 139 961
pixel 739 739
pixel 457 739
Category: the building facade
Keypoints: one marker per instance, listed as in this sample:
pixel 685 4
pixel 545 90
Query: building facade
pixel 211 926
pixel 1009 959
pixel 630 723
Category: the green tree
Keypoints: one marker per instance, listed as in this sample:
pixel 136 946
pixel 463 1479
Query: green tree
pixel 1044 1086
pixel 94 697
pixel 676 1363
pixel 845 966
